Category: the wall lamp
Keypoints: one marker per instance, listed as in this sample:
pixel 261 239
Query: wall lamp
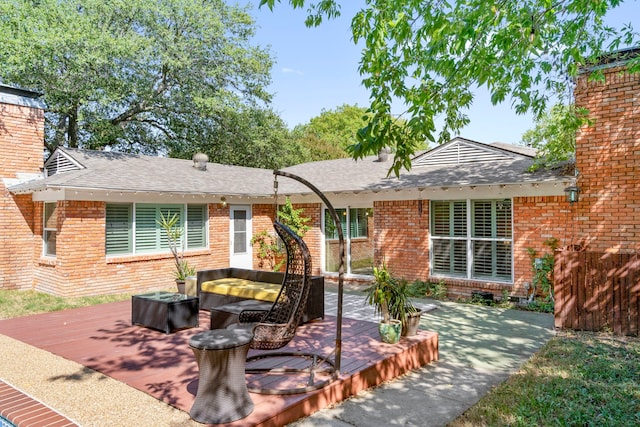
pixel 572 193
pixel 223 202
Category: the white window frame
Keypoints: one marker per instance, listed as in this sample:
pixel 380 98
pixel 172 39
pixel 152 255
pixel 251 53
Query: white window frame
pixel 47 231
pixel 469 240
pixel 160 247
pixel 346 213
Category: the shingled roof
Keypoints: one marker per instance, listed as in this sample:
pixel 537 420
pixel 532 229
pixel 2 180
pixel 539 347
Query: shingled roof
pixel 108 171
pixel 482 164
pixel 102 170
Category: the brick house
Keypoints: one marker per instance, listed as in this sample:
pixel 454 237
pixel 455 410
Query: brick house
pixel 84 222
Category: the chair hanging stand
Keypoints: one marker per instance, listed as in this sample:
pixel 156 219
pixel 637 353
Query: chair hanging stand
pixel 321 370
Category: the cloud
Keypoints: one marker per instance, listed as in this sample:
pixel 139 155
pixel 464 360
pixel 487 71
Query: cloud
pixel 292 71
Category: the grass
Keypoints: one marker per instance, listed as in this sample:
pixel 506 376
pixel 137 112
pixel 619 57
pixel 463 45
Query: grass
pixel 576 379
pixel 24 303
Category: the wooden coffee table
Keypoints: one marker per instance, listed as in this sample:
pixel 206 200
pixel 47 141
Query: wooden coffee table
pixel 165 311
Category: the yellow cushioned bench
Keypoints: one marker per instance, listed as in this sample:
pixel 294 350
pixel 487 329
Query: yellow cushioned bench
pixel 243 288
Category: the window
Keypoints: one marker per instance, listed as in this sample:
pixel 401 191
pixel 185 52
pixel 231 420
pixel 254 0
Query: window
pixel 359 218
pixel 358 223
pixel 358 246
pixel 472 239
pixel 50 228
pixel 330 229
pixel 119 224
pixel 134 228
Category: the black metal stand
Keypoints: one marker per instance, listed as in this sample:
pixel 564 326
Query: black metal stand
pixel 336 220
pixel 332 369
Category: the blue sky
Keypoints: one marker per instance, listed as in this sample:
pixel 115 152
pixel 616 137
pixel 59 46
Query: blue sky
pixel 317 68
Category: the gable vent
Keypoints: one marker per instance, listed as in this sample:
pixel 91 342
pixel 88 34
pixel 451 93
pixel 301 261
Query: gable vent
pixel 59 162
pixel 461 152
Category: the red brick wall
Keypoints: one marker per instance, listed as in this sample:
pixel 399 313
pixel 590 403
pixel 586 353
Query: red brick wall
pixel 402 240
pixel 401 237
pixel 313 238
pixel 81 267
pixel 218 237
pixel 608 158
pixel 536 220
pixel 21 151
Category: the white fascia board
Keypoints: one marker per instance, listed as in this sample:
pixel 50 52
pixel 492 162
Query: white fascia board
pixel 366 198
pixel 23 101
pixel 122 196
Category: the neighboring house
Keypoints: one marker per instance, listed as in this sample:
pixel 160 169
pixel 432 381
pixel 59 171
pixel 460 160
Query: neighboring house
pixel 84 222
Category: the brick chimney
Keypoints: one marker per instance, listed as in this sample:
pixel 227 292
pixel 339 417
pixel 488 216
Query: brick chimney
pixel 607 216
pixel 21 157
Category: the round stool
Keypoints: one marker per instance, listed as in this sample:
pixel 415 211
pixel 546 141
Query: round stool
pixel 222 394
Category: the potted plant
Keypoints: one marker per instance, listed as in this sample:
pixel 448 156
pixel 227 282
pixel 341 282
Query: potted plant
pixel 170 225
pixel 382 295
pixel 403 309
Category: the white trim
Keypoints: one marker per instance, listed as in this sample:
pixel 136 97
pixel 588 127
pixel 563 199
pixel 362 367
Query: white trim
pixel 245 259
pixel 46 229
pixel 22 101
pixel 469 239
pixel 63 163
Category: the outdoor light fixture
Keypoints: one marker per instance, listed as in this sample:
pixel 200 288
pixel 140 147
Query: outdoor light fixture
pixel 223 202
pixel 572 193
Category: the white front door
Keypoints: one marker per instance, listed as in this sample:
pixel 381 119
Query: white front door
pixel 240 236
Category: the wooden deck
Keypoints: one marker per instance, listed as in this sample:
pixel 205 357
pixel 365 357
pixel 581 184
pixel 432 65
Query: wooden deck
pixel 102 338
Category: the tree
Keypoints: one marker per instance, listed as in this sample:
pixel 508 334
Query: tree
pixel 430 55
pixel 554 135
pixel 329 135
pixel 133 75
pixel 255 137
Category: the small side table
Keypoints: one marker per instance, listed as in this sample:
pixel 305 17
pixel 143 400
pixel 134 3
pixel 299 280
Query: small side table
pixel 222 394
pixel 165 311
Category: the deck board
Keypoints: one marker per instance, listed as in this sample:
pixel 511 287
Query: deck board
pixel 102 338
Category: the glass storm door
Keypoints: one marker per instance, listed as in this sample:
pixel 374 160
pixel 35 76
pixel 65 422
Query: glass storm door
pixel 240 237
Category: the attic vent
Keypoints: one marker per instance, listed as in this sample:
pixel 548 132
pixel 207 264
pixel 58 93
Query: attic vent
pixel 59 163
pixel 460 152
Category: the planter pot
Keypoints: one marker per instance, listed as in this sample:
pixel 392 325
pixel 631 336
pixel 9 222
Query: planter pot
pixel 181 286
pixel 390 332
pixel 191 286
pixel 410 327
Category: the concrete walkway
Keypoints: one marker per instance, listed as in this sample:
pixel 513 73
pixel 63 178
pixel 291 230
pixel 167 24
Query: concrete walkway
pixel 479 348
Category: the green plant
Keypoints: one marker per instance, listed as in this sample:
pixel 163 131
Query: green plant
pixel 380 293
pixel 270 251
pixel 437 290
pixel 293 218
pixel 401 304
pixel 505 301
pixel 421 289
pixel 174 231
pixel 542 268
pixel 389 296
pixel 541 305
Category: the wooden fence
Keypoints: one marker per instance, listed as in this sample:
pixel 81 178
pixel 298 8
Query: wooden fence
pixel 597 291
